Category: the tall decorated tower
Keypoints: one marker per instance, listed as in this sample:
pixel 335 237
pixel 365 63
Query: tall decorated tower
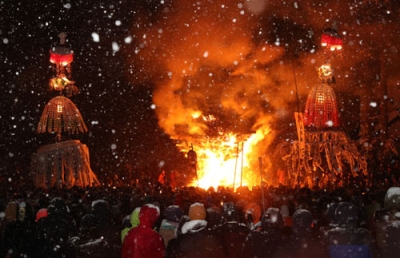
pixel 65 162
pixel 324 154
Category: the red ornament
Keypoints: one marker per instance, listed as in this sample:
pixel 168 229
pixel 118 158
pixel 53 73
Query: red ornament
pixel 61 59
pixel 321 108
pixel 331 40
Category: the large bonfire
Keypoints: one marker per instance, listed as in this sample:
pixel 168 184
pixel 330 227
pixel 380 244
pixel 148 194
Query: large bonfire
pixel 224 85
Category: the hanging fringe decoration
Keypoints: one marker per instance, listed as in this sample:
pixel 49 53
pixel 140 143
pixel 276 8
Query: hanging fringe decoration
pixel 327 151
pixel 61 115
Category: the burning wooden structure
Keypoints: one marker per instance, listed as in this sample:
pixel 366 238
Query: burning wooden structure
pixel 216 158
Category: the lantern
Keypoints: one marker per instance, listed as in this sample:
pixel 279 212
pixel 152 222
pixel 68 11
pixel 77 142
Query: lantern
pixel 61 55
pixel 331 40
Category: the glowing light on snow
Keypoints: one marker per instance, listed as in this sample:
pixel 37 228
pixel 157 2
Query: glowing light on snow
pixel 115 47
pixel 128 40
pixel 329 123
pixel 95 37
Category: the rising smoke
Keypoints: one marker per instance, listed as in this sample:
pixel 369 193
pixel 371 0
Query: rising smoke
pixel 236 63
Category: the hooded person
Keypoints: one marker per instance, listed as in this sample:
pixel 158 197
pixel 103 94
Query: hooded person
pixel 143 241
pixel 133 222
pixel 88 243
pixel 330 215
pixel 214 217
pixel 347 240
pixel 386 224
pixel 301 242
pixel 170 223
pixel 252 215
pixel 269 239
pixel 232 231
pixel 106 226
pixel 19 233
pixel 54 231
pixel 196 239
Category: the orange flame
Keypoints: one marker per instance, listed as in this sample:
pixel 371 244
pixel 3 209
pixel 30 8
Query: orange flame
pixel 217 86
pixel 227 161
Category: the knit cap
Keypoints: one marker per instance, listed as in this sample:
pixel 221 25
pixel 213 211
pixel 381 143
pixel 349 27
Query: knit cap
pixel 197 211
pixel 173 213
pixel 41 214
pixel 392 198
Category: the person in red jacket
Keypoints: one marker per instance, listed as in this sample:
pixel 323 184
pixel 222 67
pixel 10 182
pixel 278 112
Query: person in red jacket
pixel 143 241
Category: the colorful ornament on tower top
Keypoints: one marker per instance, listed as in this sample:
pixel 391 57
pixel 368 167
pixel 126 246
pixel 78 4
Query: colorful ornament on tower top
pixel 61 57
pixel 331 40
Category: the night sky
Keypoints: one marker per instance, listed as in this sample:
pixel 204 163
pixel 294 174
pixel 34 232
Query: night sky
pixel 118 74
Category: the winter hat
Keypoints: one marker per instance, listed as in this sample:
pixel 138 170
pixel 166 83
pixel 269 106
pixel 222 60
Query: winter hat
pixel 173 213
pixel 392 198
pixel 88 221
pixel 148 215
pixel 346 213
pixel 100 208
pixel 272 219
pixel 42 213
pixel 302 220
pixel 57 206
pixel 197 211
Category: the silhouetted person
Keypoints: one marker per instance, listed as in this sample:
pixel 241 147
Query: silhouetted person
pixel 195 239
pixel 54 231
pixel 346 240
pixel 267 241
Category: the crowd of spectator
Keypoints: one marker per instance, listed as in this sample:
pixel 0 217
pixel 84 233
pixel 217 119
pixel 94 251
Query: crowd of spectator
pixel 149 219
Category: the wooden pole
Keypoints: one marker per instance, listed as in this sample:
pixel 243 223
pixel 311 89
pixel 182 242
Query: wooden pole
pixel 234 173
pixel 262 185
pixel 241 170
